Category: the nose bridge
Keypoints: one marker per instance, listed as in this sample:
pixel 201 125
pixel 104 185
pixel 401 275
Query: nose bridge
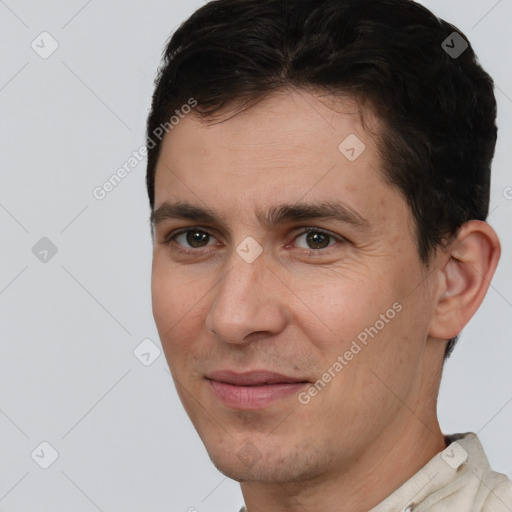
pixel 243 302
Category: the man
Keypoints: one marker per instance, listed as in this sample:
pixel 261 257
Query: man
pixel 318 201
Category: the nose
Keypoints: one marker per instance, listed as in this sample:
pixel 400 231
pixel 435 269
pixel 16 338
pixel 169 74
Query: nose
pixel 248 302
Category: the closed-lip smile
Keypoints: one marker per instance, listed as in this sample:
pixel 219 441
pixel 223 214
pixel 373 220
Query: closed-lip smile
pixel 254 389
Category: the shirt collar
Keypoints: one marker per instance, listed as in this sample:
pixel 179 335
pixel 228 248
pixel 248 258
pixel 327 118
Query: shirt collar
pixel 444 474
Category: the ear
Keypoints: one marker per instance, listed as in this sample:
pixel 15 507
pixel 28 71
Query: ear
pixel 465 278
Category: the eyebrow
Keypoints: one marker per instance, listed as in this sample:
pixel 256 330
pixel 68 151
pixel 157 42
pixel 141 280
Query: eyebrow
pixel 273 216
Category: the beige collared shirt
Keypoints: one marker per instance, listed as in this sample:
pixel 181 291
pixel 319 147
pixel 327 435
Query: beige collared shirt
pixel 458 479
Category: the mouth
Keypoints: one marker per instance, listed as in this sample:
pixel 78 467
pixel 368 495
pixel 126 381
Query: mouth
pixel 252 390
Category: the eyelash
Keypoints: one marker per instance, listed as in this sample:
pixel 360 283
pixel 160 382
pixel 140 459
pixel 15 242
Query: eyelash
pixel 309 252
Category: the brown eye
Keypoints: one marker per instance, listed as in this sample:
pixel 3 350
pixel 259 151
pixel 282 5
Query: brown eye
pixel 191 238
pixel 196 238
pixel 317 240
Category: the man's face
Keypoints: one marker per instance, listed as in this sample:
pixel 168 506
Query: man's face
pixel 279 299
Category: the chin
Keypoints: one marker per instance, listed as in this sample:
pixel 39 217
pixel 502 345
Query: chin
pixel 248 465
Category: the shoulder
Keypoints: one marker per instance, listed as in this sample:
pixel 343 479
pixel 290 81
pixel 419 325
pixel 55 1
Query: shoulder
pixel 493 490
pixel 499 493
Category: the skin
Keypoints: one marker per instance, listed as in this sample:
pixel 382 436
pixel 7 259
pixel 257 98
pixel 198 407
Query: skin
pixel 374 425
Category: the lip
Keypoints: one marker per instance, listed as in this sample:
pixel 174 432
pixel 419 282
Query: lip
pixel 252 390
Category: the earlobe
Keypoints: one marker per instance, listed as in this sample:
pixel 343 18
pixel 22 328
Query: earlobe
pixel 465 277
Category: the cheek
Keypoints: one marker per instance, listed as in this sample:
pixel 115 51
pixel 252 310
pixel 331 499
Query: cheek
pixel 163 300
pixel 369 320
pixel 336 307
pixel 176 303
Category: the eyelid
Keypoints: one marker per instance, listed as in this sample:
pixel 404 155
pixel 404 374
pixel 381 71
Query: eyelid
pixel 173 234
pixel 307 229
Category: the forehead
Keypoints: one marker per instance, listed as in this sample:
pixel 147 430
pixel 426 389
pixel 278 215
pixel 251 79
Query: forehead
pixel 291 146
pixel 285 119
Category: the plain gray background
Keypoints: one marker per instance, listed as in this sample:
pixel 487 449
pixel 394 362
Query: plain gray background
pixel 71 322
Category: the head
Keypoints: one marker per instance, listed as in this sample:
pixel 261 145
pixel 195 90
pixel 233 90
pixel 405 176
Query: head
pixel 349 117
